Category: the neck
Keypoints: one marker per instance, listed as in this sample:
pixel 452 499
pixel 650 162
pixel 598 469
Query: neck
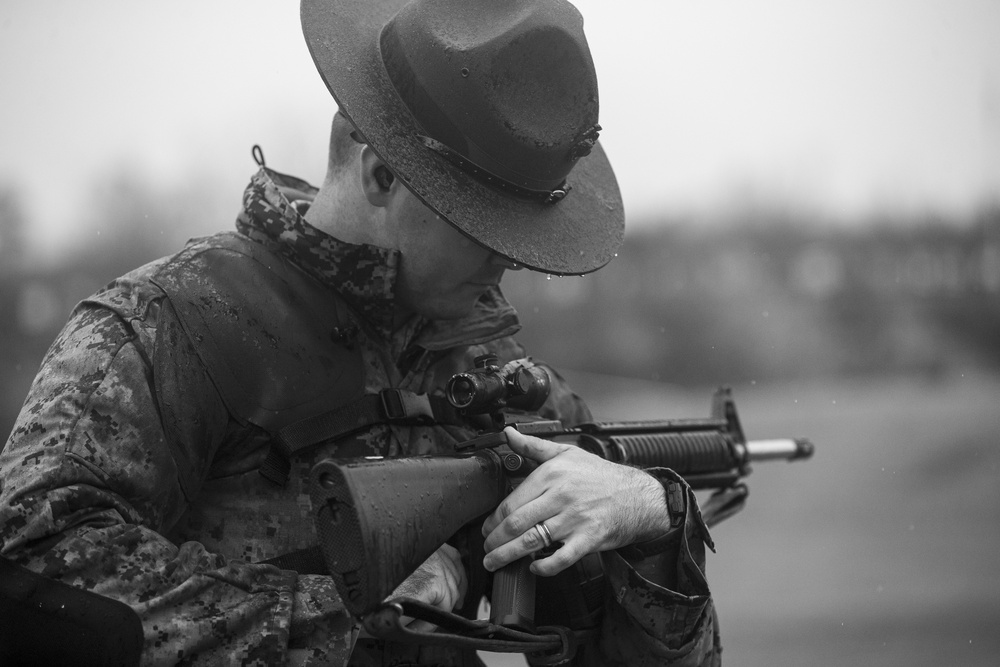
pixel 341 213
pixel 351 219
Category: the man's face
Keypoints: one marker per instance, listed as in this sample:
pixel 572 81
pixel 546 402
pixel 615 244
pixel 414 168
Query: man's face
pixel 442 273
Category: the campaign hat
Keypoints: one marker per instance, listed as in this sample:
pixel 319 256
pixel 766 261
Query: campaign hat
pixel 487 110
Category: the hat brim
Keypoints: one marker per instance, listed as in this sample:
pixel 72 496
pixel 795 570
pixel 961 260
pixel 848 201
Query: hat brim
pixel 576 235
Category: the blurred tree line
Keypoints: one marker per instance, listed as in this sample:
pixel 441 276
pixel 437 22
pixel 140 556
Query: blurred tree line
pixel 764 298
pixel 777 298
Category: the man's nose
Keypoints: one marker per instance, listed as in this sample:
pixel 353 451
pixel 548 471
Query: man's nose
pixel 508 264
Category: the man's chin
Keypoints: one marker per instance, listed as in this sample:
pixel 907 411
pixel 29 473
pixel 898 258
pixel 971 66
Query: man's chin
pixel 450 314
pixel 463 302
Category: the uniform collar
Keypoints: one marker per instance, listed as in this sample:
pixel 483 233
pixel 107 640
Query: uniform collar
pixel 364 275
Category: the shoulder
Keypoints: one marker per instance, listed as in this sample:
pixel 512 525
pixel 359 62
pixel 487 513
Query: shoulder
pixel 267 333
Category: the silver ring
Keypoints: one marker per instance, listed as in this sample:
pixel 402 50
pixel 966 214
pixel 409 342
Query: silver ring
pixel 543 532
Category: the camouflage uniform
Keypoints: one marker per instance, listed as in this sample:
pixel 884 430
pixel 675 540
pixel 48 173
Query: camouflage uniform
pixel 126 474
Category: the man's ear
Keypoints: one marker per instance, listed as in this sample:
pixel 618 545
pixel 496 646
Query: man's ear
pixel 377 180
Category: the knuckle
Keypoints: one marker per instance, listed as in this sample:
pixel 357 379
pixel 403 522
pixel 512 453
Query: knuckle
pixel 565 557
pixel 505 509
pixel 566 495
pixel 532 539
pixel 557 468
pixel 516 524
pixel 555 563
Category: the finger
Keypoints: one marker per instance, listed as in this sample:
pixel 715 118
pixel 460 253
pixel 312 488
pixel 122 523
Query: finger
pixel 570 552
pixel 450 555
pixel 457 586
pixel 453 572
pixel 419 586
pixel 523 495
pixel 438 581
pixel 446 559
pixel 534 486
pixel 519 515
pixel 528 542
pixel 536 449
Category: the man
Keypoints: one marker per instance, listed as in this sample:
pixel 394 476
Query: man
pixel 154 461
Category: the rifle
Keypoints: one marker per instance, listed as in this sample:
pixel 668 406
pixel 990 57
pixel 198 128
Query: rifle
pixel 378 519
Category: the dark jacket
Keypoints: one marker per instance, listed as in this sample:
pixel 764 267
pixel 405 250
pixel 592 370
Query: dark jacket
pixel 129 472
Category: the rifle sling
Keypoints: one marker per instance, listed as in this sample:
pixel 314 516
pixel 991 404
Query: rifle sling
pixel 549 645
pixel 389 406
pixel 303 561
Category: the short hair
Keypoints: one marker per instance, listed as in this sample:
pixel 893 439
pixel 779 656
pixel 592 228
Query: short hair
pixel 343 146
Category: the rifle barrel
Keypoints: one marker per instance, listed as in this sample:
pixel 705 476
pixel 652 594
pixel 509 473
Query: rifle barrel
pixel 789 449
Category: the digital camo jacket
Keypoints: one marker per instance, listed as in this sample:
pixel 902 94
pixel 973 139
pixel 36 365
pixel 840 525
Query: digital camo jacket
pixel 127 474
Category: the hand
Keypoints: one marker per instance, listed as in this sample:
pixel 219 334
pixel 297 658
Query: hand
pixel 439 581
pixel 587 503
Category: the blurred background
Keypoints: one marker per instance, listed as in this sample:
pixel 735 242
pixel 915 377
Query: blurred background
pixel 813 201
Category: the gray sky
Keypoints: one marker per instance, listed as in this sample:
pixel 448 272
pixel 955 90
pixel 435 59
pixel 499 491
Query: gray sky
pixel 843 107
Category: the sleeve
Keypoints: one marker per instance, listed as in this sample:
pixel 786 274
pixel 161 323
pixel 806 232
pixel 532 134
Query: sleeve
pixel 657 607
pixel 105 456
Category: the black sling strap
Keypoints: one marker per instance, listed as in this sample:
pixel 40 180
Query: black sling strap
pixel 304 561
pixel 389 406
pixel 393 406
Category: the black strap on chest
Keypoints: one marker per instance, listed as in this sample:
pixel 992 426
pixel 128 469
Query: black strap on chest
pixel 389 406
pixel 304 561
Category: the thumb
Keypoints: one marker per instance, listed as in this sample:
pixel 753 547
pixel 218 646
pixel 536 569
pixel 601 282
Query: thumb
pixel 536 449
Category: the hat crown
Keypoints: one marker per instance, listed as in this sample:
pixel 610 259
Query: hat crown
pixel 509 85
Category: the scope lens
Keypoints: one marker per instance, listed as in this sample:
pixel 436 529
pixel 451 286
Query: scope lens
pixel 522 381
pixel 461 391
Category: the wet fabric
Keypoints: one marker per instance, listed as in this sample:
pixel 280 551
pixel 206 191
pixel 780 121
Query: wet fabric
pixel 126 474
